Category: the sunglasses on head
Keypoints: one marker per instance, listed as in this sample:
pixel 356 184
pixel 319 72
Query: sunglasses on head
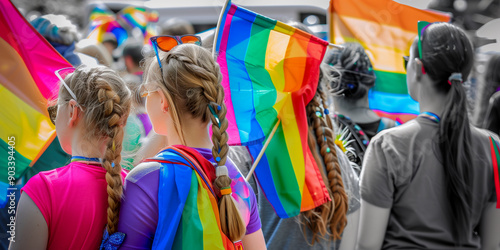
pixel 166 43
pixel 406 59
pixel 61 74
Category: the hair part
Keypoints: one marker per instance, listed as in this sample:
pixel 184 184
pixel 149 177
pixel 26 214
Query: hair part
pixel 191 81
pixel 103 117
pixel 446 50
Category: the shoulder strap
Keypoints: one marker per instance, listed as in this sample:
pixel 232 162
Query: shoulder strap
pixel 192 159
pixel 495 158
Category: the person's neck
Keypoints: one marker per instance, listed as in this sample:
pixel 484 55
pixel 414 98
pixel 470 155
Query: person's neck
pixel 91 149
pixel 357 110
pixel 195 135
pixel 432 101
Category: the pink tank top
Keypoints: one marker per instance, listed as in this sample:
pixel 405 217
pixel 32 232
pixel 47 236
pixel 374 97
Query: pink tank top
pixel 73 201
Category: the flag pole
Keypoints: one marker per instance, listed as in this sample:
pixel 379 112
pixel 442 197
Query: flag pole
pixel 216 34
pixel 336 46
pixel 257 160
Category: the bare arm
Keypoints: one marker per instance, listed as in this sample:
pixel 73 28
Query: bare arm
pixel 489 228
pixel 350 232
pixel 372 226
pixel 255 241
pixel 31 229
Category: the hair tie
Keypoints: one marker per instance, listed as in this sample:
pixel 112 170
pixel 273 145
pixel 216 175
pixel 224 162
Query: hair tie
pixel 221 171
pixel 226 190
pixel 213 112
pixel 455 76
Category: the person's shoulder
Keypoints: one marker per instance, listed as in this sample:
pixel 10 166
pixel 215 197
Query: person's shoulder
pixel 396 133
pixel 142 170
pixel 482 134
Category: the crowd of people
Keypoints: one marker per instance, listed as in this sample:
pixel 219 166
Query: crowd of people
pixel 136 128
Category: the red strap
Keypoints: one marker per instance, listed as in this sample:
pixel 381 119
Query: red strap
pixel 494 158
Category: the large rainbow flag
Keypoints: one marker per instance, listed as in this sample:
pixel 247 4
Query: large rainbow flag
pixel 270 72
pixel 386 29
pixel 27 81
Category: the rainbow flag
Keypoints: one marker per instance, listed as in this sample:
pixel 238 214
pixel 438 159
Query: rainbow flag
pixel 27 82
pixel 190 217
pixel 134 17
pixel 270 72
pixel 386 29
pixel 103 25
pixel 100 12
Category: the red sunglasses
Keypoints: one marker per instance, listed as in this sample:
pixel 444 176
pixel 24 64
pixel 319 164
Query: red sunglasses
pixel 166 43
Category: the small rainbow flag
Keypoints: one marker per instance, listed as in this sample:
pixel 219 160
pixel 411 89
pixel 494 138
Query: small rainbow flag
pixel 104 25
pixel 135 17
pixel 270 72
pixel 386 29
pixel 27 82
pixel 99 12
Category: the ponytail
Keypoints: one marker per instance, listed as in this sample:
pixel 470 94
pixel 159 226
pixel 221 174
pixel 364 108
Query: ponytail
pixel 454 141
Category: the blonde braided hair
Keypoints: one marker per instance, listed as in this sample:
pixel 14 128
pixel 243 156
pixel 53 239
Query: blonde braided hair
pixel 104 117
pixel 191 84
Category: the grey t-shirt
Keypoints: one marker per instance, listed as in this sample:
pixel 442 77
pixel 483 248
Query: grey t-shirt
pixel 287 233
pixel 402 170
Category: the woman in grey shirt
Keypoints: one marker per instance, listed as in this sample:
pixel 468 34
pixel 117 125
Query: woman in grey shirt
pixel 429 183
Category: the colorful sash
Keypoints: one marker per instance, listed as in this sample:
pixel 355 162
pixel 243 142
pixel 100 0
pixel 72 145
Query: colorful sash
pixel 187 202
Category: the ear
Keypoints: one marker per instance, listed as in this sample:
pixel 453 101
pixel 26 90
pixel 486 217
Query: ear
pixel 418 66
pixel 74 113
pixel 164 100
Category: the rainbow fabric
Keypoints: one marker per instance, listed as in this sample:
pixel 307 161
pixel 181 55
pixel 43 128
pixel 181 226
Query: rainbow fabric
pixel 386 29
pixel 106 24
pixel 190 214
pixel 100 12
pixel 495 159
pixel 270 72
pixel 27 81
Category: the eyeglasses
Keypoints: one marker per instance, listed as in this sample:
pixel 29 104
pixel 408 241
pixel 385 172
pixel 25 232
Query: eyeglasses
pixel 166 43
pixel 61 74
pixel 406 59
pixel 146 93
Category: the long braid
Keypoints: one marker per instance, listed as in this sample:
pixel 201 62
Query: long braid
pixel 193 79
pixel 112 157
pixel 324 136
pixel 335 178
pixel 103 118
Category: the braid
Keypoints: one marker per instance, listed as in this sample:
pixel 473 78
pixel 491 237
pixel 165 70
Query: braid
pixel 193 79
pixel 323 135
pixel 231 221
pixel 111 161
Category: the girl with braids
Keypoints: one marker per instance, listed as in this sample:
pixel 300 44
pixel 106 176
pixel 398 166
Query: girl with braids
pixel 69 207
pixel 430 182
pixel 332 225
pixel 183 96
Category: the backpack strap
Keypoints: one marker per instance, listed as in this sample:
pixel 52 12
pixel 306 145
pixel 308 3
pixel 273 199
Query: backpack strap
pixel 495 158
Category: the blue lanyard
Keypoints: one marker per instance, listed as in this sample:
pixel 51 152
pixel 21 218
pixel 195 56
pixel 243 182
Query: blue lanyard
pixel 431 116
pixel 82 158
